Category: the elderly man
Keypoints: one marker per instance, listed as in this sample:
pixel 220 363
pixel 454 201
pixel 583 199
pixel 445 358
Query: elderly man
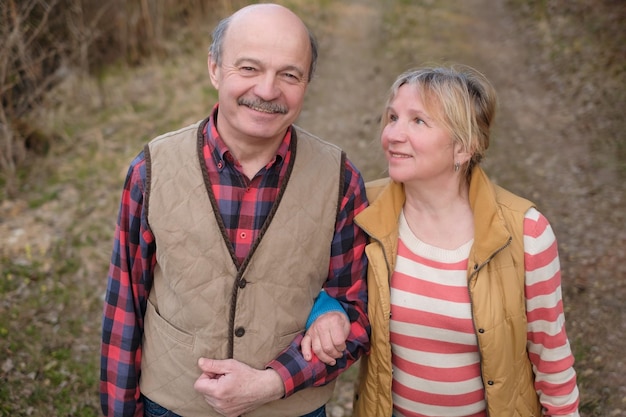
pixel 228 230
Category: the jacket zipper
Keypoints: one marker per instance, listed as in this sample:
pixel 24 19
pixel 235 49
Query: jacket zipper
pixel 388 264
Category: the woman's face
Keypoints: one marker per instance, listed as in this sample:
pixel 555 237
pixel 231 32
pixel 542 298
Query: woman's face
pixel 416 145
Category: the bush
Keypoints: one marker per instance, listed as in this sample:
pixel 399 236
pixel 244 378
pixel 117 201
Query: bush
pixel 46 40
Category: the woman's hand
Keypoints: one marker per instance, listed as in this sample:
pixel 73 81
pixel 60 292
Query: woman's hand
pixel 326 337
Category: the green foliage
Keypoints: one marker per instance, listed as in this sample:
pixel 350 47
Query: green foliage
pixel 45 367
pixel 42 199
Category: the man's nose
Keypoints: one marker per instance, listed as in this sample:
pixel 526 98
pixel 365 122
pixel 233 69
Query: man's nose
pixel 267 87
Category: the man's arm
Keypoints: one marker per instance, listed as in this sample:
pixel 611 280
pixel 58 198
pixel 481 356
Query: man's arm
pixel 233 388
pixel 122 325
pixel 347 284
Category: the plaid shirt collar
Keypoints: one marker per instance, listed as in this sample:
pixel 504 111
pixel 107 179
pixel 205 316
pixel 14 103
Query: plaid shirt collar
pixel 221 154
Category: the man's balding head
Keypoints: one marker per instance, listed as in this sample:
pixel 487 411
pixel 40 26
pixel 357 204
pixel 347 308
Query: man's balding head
pixel 261 17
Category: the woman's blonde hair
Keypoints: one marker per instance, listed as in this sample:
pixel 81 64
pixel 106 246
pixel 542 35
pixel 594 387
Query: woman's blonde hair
pixel 459 97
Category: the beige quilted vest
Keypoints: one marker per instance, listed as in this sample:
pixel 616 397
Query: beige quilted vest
pixel 201 304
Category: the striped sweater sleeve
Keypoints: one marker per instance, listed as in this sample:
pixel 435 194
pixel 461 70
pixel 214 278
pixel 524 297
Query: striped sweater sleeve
pixel 548 346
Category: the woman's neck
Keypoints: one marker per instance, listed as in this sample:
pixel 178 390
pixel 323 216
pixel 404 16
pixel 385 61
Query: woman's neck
pixel 439 216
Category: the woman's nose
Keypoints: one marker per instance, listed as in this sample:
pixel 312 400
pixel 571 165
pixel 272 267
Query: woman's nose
pixel 394 133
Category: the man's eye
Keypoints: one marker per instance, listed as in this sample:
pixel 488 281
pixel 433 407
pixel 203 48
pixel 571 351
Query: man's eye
pixel 291 77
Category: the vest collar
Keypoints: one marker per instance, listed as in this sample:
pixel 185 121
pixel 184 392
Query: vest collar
pixel 490 231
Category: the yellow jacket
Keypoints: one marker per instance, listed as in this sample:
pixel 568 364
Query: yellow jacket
pixel 495 279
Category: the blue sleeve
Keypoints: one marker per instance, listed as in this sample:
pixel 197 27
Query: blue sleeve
pixel 324 303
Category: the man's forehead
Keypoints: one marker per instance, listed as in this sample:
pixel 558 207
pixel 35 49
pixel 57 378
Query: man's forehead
pixel 266 49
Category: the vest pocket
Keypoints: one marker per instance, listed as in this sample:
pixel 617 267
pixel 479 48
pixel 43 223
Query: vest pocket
pixel 169 364
pixel 165 328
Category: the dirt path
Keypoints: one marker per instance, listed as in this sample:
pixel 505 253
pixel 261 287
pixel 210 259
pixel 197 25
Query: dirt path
pixel 348 90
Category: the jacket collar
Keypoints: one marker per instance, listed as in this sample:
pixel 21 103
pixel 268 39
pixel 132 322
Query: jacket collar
pixel 380 219
pixel 490 231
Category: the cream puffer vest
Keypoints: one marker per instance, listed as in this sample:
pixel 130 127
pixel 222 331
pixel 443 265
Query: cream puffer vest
pixel 201 304
pixel 496 285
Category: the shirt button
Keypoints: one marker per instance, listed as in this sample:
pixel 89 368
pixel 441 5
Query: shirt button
pixel 242 283
pixel 243 235
pixel 220 165
pixel 240 331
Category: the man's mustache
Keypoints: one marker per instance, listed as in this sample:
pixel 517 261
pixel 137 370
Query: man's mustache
pixel 262 105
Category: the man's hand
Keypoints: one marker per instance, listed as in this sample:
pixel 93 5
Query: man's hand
pixel 326 337
pixel 233 388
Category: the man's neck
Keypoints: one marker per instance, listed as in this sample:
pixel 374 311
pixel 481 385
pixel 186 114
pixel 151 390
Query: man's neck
pixel 253 155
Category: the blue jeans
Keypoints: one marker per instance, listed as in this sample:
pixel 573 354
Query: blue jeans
pixel 152 409
pixel 320 412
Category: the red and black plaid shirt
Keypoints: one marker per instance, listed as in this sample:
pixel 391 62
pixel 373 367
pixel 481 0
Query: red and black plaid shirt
pixel 244 205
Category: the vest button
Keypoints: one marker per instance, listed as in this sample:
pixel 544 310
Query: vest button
pixel 240 331
pixel 475 267
pixel 242 283
pixel 481 330
pixel 490 382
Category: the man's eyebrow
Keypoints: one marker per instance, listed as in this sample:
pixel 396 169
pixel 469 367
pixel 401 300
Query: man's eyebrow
pixel 244 60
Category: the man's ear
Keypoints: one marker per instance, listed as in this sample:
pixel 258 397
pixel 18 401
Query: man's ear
pixel 213 72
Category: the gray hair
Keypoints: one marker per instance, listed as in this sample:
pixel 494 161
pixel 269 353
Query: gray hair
pixel 216 48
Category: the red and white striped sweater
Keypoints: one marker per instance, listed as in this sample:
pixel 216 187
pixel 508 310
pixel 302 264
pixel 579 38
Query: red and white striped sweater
pixel 436 364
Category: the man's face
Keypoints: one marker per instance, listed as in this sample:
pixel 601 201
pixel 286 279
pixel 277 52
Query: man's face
pixel 261 80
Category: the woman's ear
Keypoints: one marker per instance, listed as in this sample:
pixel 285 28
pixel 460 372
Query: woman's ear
pixel 461 155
